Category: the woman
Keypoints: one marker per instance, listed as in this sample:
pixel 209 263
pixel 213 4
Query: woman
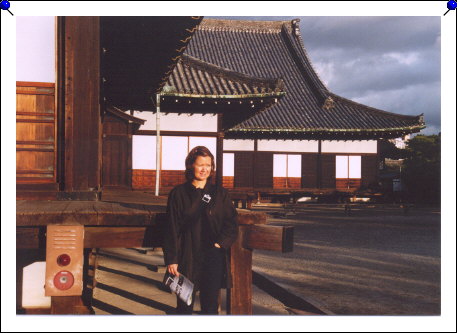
pixel 201 227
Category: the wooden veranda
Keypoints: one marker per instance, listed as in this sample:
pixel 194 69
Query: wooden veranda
pixel 135 219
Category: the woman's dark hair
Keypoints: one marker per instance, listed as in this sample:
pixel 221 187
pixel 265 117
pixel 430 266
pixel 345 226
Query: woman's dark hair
pixel 192 156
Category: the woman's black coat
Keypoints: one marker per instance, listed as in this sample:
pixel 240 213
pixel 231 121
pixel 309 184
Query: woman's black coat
pixel 182 241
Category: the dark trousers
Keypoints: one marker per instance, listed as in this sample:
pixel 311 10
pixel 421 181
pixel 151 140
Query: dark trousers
pixel 210 284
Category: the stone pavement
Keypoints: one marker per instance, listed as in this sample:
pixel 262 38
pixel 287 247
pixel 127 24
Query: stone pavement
pixel 377 261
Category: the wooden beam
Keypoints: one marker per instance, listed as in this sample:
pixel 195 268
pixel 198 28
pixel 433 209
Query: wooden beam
pixel 106 224
pixel 96 237
pixel 105 237
pixel 36 213
pixel 250 217
pixel 31 238
pixel 176 133
pixel 268 237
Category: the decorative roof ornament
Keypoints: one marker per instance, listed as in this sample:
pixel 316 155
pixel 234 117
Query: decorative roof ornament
pixel 296 27
pixel 167 89
pixel 329 104
pixel 421 119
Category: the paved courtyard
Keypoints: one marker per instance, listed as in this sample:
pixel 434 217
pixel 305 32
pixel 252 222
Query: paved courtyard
pixel 377 261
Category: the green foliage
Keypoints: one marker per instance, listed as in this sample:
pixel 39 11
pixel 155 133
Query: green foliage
pixel 422 171
pixel 388 149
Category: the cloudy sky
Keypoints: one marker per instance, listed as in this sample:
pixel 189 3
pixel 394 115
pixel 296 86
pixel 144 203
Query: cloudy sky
pixel 391 63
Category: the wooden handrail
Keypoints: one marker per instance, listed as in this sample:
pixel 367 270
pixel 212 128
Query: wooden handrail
pixel 253 234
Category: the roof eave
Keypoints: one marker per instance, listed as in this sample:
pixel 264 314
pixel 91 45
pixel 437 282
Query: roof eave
pixel 243 96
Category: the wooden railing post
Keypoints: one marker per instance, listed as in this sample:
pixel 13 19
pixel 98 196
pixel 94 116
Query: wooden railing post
pixel 253 234
pixel 239 297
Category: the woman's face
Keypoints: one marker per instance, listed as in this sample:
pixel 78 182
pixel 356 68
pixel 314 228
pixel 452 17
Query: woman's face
pixel 202 167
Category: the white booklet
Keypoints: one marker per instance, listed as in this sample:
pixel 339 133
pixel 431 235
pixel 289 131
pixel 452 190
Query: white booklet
pixel 180 285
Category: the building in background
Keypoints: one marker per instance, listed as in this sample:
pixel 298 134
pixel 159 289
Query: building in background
pixel 245 89
pixel 309 139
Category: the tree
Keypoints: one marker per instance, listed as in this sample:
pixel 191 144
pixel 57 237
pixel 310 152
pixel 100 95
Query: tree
pixel 422 171
pixel 388 149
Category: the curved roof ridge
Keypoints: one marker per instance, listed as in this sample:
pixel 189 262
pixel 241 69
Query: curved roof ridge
pixel 282 54
pixel 302 48
pixel 292 37
pixel 241 25
pixel 273 83
pixel 375 110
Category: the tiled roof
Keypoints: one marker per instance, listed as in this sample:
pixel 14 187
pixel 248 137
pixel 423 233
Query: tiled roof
pixel 275 50
pixel 193 77
pixel 125 116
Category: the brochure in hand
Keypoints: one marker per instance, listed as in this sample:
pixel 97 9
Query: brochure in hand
pixel 180 285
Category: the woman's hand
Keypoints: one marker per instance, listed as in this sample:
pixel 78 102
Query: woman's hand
pixel 173 269
pixel 217 245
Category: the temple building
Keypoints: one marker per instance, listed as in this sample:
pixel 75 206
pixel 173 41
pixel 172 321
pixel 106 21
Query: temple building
pixel 302 135
pixel 245 89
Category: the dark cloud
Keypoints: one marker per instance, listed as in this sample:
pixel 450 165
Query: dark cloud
pixel 391 63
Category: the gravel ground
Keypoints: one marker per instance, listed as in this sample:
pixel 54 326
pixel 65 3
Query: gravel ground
pixel 377 261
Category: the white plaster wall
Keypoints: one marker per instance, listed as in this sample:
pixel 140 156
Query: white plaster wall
pixel 295 146
pixel 239 145
pixel 35 48
pixel 294 165
pixel 286 165
pixel 175 122
pixel 210 143
pixel 279 165
pixel 348 167
pixel 144 152
pixel 342 165
pixel 229 165
pixel 355 166
pixel 362 146
pixel 174 152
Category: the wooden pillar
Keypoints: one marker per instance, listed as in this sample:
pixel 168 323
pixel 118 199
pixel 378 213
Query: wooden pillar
pixel 319 164
pixel 82 127
pixel 219 151
pixel 60 101
pixel 254 160
pixel 239 297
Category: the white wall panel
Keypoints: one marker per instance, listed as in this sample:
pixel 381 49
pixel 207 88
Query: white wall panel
pixel 362 146
pixel 239 145
pixel 209 143
pixel 341 167
pixel 293 165
pixel 144 152
pixel 174 152
pixel 35 48
pixel 175 122
pixel 229 165
pixel 295 146
pixel 279 165
pixel 355 167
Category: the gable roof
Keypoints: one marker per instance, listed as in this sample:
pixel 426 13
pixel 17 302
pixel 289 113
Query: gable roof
pixel 194 77
pixel 308 110
pixel 199 87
